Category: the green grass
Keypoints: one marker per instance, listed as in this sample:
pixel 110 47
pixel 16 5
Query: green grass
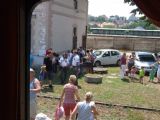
pixel 115 91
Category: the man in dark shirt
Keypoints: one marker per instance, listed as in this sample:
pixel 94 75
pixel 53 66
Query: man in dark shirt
pixel 49 67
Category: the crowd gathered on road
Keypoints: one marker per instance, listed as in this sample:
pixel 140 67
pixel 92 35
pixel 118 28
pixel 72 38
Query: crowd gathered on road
pixel 77 61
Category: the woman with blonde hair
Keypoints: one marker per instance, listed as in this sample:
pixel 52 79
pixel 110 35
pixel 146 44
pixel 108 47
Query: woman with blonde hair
pixel 86 109
pixel 70 91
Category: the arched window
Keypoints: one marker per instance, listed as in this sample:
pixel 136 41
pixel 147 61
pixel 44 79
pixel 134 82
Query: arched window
pixel 75 4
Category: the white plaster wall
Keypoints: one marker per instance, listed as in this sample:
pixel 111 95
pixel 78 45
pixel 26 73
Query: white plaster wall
pixel 58 19
pixel 83 11
pixel 64 18
pixel 61 33
pixel 39 29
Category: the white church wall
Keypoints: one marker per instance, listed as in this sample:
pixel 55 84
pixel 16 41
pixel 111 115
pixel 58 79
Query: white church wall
pixel 53 25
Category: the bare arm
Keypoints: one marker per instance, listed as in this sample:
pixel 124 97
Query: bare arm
pixel 61 98
pixel 37 88
pixel 74 112
pixel 77 95
pixel 95 112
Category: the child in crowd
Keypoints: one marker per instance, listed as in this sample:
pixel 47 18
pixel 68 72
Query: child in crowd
pixel 141 75
pixel 153 71
pixel 133 73
pixel 42 74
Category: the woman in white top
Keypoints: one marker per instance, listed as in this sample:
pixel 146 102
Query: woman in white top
pixel 86 109
pixel 35 88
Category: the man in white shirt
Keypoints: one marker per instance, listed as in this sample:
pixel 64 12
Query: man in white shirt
pixel 64 63
pixel 76 64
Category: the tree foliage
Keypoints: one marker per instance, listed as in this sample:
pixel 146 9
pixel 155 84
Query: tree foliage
pixel 141 23
pixel 147 22
pixel 99 19
pixel 131 3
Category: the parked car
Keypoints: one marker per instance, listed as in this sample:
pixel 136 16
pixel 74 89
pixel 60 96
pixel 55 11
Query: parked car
pixel 107 57
pixel 144 59
pixel 158 54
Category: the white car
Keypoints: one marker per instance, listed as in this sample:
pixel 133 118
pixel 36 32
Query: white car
pixel 107 57
pixel 158 54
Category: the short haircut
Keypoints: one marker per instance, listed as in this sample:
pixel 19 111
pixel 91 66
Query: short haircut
pixel 89 96
pixel 72 79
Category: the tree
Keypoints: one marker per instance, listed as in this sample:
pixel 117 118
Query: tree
pixel 148 23
pixel 140 23
pixel 91 18
pixel 131 3
pixel 101 19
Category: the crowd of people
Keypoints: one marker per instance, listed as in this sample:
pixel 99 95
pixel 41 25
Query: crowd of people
pixel 127 68
pixel 85 109
pixel 74 61
pixel 77 60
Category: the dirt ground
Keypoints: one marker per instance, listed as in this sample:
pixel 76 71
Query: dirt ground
pixel 47 106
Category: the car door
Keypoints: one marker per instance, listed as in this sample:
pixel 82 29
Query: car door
pixel 106 58
pixel 115 55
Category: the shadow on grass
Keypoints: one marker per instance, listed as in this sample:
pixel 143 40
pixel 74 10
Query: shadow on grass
pixel 125 80
pixel 128 79
pixel 135 80
pixel 46 89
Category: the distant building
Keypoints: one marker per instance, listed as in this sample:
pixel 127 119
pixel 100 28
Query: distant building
pixel 108 24
pixel 104 16
pixel 119 21
pixel 113 18
pixel 132 18
pixel 58 24
pixel 93 24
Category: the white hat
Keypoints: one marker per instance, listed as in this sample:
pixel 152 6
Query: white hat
pixel 31 70
pixel 42 116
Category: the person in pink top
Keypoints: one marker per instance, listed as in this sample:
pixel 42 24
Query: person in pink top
pixel 123 65
pixel 69 96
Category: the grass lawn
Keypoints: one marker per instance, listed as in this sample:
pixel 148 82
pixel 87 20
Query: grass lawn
pixel 115 91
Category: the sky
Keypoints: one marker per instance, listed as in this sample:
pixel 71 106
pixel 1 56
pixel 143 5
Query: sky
pixel 109 7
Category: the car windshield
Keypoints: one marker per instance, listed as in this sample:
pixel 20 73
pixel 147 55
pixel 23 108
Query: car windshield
pixel 147 58
pixel 97 53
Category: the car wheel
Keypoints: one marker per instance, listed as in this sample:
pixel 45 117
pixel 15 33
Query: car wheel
pixel 97 63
